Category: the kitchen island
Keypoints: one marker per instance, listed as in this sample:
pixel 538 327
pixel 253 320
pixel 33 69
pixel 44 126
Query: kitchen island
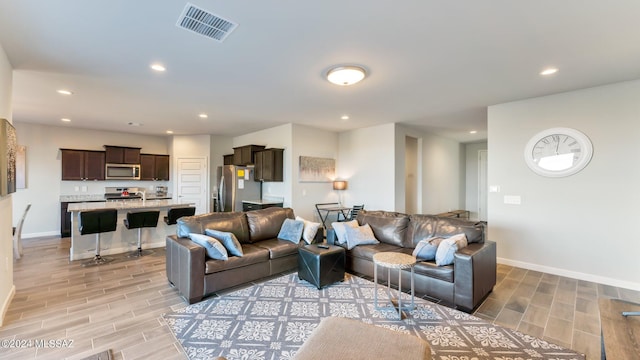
pixel 122 240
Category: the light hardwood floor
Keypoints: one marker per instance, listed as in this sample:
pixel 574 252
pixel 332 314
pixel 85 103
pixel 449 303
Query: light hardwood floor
pixel 118 306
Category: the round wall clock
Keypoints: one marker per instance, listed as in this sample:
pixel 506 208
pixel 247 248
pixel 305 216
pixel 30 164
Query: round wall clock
pixel 558 152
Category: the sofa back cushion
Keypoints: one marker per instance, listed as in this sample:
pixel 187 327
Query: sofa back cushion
pixel 388 227
pixel 233 222
pixel 266 223
pixel 424 226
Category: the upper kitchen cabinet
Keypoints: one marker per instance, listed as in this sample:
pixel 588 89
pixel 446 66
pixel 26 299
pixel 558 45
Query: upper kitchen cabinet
pixel 154 167
pixel 268 165
pixel 82 164
pixel 243 155
pixel 122 155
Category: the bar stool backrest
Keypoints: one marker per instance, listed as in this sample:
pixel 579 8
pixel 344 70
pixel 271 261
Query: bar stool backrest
pixel 98 221
pixel 174 214
pixel 142 219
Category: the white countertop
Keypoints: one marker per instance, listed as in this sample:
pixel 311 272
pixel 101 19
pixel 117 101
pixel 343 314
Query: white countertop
pixel 100 197
pixel 127 205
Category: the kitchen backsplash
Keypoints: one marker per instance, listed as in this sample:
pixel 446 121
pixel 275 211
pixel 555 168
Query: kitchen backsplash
pixel 97 187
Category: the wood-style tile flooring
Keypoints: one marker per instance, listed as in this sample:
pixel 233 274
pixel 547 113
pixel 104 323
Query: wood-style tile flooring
pixel 118 306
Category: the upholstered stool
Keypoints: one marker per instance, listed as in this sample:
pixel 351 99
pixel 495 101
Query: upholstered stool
pixel 339 338
pixel 321 266
pixel 176 213
pixel 97 222
pixel 139 220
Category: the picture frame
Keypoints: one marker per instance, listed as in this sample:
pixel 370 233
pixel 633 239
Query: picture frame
pixel 316 169
pixel 8 150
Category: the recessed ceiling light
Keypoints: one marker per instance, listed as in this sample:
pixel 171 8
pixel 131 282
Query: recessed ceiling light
pixel 203 116
pixel 65 120
pixel 345 75
pixel 158 67
pixel 472 132
pixel 344 117
pixel 65 92
pixel 549 71
pixel 169 131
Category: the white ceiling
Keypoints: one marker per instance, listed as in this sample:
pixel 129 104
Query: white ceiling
pixel 432 64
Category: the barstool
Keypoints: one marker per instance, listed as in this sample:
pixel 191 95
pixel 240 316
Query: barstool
pixel 97 222
pixel 139 220
pixel 175 213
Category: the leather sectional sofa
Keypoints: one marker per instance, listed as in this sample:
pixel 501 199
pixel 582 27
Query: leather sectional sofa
pixel 196 276
pixel 464 284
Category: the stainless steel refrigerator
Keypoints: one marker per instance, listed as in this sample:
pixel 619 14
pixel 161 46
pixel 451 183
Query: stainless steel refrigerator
pixel 235 184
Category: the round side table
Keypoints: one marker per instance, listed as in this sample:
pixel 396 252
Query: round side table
pixel 399 261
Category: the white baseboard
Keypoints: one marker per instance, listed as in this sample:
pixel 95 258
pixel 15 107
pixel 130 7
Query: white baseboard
pixel 40 234
pixel 121 250
pixel 571 274
pixel 6 303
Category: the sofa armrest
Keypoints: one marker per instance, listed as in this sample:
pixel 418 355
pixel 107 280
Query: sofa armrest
pixel 475 273
pixel 185 267
pixel 332 239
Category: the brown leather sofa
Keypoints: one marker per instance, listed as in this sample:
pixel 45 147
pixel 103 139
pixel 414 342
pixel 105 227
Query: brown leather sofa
pixel 464 284
pixel 196 276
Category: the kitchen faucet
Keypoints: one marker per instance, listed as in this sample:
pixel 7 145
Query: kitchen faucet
pixel 143 193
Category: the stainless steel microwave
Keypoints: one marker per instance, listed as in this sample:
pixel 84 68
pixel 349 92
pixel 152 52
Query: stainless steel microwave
pixel 122 172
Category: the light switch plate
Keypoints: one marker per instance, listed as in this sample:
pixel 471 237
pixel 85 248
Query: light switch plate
pixel 494 188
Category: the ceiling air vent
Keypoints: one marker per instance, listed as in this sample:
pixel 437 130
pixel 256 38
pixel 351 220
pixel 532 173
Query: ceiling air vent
pixel 205 23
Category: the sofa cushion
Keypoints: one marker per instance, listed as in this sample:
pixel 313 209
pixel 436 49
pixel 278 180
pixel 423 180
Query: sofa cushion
pixel 367 251
pixel 388 227
pixel 234 222
pixel 425 226
pixel 230 242
pixel 291 230
pixel 265 223
pixel 252 255
pixel 278 248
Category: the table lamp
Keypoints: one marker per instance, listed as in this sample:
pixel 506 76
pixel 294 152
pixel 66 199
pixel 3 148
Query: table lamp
pixel 340 185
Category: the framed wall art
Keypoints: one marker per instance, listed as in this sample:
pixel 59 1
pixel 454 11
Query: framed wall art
pixel 315 169
pixel 8 149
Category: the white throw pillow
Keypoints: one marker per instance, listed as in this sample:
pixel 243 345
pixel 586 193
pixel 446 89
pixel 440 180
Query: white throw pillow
pixel 426 248
pixel 448 247
pixel 310 230
pixel 361 235
pixel 340 228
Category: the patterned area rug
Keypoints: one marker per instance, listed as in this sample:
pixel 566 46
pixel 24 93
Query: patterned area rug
pixel 271 320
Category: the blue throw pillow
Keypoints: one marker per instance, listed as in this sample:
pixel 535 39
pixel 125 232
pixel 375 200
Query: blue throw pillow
pixel 426 249
pixel 228 240
pixel 448 247
pixel 361 235
pixel 291 230
pixel 215 249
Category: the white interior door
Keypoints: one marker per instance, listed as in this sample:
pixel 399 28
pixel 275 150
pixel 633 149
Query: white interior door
pixel 193 183
pixel 482 185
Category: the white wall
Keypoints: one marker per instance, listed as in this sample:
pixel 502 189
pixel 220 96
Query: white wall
pixel 308 141
pixel 580 226
pixel 442 175
pixel 471 176
pixel 276 137
pixel 7 289
pixel 367 160
pixel 44 170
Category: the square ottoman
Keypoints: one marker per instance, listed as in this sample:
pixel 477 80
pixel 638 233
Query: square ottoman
pixel 320 266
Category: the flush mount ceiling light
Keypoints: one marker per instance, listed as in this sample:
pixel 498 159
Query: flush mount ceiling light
pixel 65 120
pixel 346 75
pixel 549 71
pixel 65 92
pixel 344 117
pixel 158 67
pixel 203 116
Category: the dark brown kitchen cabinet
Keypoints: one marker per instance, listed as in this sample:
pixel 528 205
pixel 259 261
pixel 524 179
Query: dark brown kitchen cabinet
pixel 269 165
pixel 154 167
pixel 65 220
pixel 243 155
pixel 82 164
pixel 227 159
pixel 122 155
